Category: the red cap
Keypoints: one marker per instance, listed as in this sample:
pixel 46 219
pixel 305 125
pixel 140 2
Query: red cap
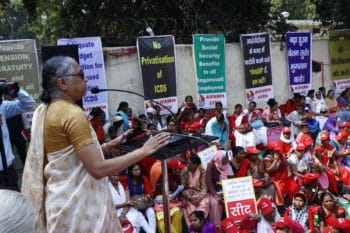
pixel 300 146
pixel 175 164
pixel 340 223
pixel 291 224
pixel 252 150
pixel 195 125
pixel 229 226
pixel 343 134
pixel 307 141
pixel 265 206
pixel 271 145
pixel 257 183
pixel 324 136
pixel 346 124
pixel 310 177
pixel 286 130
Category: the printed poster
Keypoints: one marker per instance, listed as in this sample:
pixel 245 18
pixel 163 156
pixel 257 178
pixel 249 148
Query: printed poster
pixel 157 61
pixel 209 59
pixel 257 66
pixel 207 155
pixel 92 63
pixel 239 197
pixel 19 63
pixel 299 61
pixel 339 56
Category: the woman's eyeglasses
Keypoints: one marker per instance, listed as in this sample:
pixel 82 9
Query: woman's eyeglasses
pixel 80 74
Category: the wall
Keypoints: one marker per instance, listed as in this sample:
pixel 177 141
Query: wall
pixel 123 72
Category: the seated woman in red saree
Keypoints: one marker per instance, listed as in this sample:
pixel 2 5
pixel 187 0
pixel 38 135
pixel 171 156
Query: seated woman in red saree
pixel 276 166
pixel 239 162
pixel 329 210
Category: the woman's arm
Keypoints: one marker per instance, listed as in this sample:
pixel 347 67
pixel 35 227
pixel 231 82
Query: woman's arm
pixel 99 168
pixel 295 171
pixel 209 180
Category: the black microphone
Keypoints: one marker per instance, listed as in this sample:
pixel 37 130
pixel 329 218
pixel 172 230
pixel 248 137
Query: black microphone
pixel 96 90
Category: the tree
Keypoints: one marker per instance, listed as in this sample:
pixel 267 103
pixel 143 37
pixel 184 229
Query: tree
pixel 119 22
pixel 297 9
pixel 14 21
pixel 333 12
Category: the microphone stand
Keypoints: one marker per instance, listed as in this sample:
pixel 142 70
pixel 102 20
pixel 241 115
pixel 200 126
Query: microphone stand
pixel 165 181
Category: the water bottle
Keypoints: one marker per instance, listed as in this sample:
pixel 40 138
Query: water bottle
pixel 316 220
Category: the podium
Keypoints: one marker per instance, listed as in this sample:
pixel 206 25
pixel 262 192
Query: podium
pixel 177 143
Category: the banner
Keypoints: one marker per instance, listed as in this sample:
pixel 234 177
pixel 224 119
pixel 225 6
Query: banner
pixel 92 63
pixel 239 197
pixel 257 66
pixel 19 63
pixel 209 60
pixel 339 56
pixel 157 61
pixel 299 61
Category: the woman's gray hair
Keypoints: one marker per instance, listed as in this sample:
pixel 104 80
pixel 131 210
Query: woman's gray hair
pixel 53 69
pixel 16 213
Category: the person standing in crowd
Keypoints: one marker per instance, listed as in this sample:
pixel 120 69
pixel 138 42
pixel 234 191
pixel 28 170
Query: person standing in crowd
pixel 23 103
pixel 218 126
pixel 17 125
pixel 318 103
pixel 238 118
pixel 97 121
pixel 272 118
pixel 59 180
pixel 122 111
pixel 189 107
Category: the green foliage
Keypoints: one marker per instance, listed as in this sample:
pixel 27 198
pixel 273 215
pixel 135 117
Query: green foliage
pixel 14 21
pixel 119 22
pixel 298 9
pixel 334 11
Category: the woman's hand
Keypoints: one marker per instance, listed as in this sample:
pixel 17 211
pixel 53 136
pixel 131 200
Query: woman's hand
pixel 154 143
pixel 122 218
pixel 130 203
pixel 147 198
